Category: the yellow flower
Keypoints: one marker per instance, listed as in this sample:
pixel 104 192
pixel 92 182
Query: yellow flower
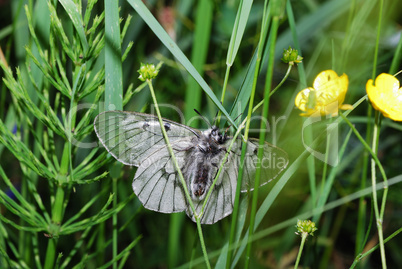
pixel 325 97
pixel 386 96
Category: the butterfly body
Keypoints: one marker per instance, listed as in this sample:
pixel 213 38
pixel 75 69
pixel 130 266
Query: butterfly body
pixel 136 139
pixel 202 164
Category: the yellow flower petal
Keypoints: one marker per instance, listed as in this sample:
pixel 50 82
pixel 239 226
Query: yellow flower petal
pixel 386 96
pixel 326 97
pixel 304 99
pixel 346 107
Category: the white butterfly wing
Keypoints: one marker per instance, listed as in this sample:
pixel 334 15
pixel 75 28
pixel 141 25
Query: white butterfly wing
pixel 136 139
pixel 156 183
pixel 220 203
pixel 128 136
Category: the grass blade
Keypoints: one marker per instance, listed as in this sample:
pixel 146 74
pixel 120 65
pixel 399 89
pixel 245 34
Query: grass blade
pixel 150 20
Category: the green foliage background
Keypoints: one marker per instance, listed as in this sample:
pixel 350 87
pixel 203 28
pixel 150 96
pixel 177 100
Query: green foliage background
pixel 66 203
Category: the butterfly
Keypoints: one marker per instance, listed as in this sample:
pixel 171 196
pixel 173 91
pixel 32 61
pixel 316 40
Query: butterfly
pixel 136 139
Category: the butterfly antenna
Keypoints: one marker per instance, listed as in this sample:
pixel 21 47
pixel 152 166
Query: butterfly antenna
pixel 227 129
pixel 238 116
pixel 202 117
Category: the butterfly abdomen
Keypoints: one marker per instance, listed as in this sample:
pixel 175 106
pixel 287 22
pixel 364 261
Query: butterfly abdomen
pixel 198 175
pixel 200 180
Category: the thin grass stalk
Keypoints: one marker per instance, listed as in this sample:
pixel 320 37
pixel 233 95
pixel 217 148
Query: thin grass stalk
pixel 266 21
pixel 325 165
pixel 225 84
pixel 375 59
pixel 396 60
pixel 330 180
pixel 361 215
pixel 202 34
pixel 235 210
pixel 362 203
pixel 238 187
pixel 292 26
pixel 346 40
pixel 311 167
pixel 379 217
pixel 378 214
pixel 374 162
pixel 360 241
pixel 303 236
pixel 368 252
pixel 155 26
pixel 273 35
pixel 366 146
pixel 179 173
pixel 169 145
pixel 113 90
pixel 224 159
pixel 175 231
pixel 303 81
pixel 113 64
pixel 114 223
pixel 239 26
pixel 280 183
pixel 307 215
pixel 204 250
pixel 276 88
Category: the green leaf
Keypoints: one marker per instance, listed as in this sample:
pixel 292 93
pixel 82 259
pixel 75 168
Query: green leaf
pixel 75 16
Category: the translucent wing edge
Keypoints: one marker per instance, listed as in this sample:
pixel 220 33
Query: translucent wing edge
pixel 284 155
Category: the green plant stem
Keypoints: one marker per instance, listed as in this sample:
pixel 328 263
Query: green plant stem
pixel 367 147
pixel 235 214
pixel 212 187
pixel 169 146
pixel 303 236
pixel 362 203
pixel 58 209
pixel 114 221
pixel 374 162
pixel 273 34
pixel 379 215
pixel 276 88
pixel 260 49
pixel 179 173
pixel 204 250
pixel 238 188
pixel 56 219
pixel 368 252
pixel 325 168
pixel 199 52
pixel 225 83
pixel 377 47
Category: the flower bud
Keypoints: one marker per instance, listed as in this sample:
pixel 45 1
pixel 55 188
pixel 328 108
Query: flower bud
pixel 291 56
pixel 147 71
pixel 306 226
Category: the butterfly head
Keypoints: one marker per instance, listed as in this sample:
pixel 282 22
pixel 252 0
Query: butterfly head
pixel 217 136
